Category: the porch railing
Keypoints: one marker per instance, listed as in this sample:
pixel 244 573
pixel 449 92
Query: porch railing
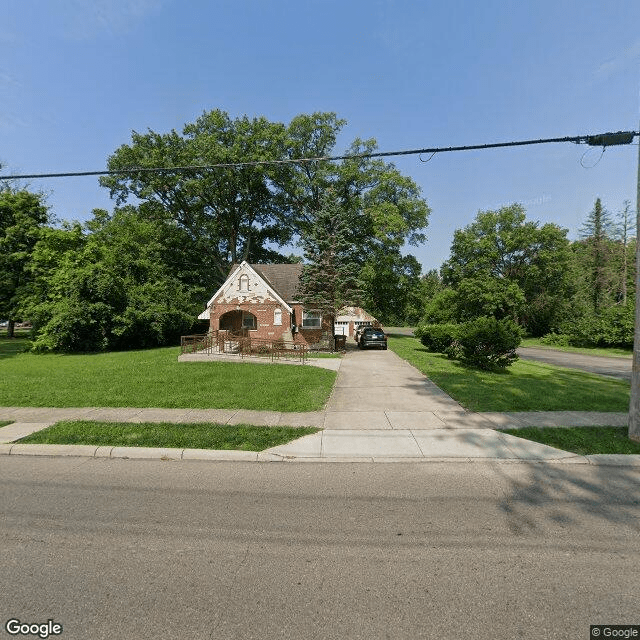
pixel 242 344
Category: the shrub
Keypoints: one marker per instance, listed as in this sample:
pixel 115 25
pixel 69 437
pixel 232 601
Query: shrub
pixel 487 343
pixel 613 327
pixel 556 339
pixel 75 327
pixel 437 337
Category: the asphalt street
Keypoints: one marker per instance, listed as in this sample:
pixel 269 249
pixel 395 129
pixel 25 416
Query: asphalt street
pixel 161 549
pixel 602 365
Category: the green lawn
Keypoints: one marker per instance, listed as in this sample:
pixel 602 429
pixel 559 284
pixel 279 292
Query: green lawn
pixel 240 437
pixel 525 386
pixel 4 423
pixel 154 378
pixel 612 352
pixel 12 346
pixel 581 440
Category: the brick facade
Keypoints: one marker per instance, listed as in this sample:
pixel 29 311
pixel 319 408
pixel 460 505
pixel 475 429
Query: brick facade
pixel 249 299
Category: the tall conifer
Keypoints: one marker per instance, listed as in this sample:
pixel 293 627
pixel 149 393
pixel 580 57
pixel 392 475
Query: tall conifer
pixel 329 279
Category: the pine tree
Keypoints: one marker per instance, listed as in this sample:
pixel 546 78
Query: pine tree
pixel 623 233
pixel 596 233
pixel 329 279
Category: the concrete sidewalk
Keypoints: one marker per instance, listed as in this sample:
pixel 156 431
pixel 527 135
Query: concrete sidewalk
pixel 459 436
pixel 381 410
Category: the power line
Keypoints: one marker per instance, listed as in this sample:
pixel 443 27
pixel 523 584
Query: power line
pixel 599 140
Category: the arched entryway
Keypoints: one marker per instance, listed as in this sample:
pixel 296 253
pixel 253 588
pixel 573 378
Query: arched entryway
pixel 237 320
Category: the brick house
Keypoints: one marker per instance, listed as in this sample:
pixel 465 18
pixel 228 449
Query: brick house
pixel 263 299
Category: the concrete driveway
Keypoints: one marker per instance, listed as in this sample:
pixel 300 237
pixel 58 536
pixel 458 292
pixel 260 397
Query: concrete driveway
pixel 602 365
pixel 376 389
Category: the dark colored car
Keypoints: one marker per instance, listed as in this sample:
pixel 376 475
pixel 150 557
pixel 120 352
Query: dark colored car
pixel 371 337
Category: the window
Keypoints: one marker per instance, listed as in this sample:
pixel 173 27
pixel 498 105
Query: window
pixel 243 284
pixel 277 316
pixel 249 321
pixel 311 319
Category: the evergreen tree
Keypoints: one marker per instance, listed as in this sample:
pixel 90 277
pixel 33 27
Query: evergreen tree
pixel 623 233
pixel 329 279
pixel 596 235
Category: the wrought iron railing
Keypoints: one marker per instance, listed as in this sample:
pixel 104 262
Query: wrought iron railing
pixel 222 341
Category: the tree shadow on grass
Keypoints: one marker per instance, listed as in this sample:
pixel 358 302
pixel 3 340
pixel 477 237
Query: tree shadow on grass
pixel 10 347
pixel 526 386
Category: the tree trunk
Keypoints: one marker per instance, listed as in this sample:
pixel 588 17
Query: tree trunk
pixel 11 328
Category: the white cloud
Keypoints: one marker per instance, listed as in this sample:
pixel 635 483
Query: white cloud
pixel 6 79
pixel 628 57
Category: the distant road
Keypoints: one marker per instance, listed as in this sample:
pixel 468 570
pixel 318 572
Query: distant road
pixel 602 365
pixel 402 331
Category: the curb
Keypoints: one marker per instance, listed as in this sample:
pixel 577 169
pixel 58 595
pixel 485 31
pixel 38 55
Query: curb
pixel 165 454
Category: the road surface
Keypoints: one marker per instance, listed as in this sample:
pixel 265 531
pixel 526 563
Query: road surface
pixel 616 367
pixel 153 549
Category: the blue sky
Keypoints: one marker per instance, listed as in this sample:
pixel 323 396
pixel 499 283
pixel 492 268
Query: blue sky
pixel 76 77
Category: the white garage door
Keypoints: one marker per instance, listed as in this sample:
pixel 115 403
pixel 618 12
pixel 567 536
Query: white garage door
pixel 341 328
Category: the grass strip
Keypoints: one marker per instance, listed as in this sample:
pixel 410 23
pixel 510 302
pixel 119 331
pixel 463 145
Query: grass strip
pixel 155 378
pixel 208 435
pixel 4 423
pixel 581 440
pixel 525 386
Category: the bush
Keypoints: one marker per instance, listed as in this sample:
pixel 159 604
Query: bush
pixel 556 339
pixel 487 343
pixel 613 327
pixel 437 337
pixel 75 328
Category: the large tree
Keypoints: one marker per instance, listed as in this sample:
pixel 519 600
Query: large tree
pixel 247 212
pixel 122 282
pixel 504 249
pixel 22 216
pixel 596 253
pixel 229 212
pixel 394 291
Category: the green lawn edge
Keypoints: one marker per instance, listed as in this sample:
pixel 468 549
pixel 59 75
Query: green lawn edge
pixel 4 423
pixel 525 386
pixel 609 352
pixel 203 435
pixel 155 378
pixel 581 440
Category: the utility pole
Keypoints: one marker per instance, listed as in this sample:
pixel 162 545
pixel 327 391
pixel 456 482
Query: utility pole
pixel 634 403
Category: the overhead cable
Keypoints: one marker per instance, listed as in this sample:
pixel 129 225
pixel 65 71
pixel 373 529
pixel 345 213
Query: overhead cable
pixel 602 139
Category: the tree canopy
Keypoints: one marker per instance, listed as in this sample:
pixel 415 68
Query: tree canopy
pixel 22 216
pixel 119 283
pixel 248 212
pixel 329 279
pixel 502 252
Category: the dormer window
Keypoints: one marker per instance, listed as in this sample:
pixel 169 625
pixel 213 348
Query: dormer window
pixel 243 283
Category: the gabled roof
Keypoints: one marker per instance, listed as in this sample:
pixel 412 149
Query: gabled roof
pixel 284 278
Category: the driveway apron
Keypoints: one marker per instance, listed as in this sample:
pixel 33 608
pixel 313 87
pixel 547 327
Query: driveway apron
pixel 378 390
